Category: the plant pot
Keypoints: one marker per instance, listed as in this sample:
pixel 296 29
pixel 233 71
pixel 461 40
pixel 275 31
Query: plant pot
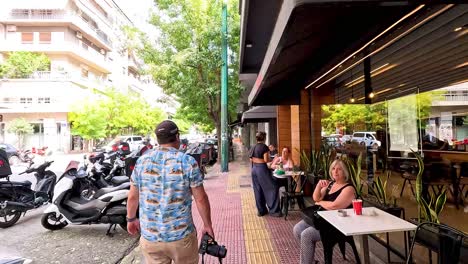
pixel 391 209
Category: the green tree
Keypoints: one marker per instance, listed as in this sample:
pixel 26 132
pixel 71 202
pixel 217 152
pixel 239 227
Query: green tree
pixel 186 61
pixel 374 117
pixel 88 120
pixel 20 127
pixel 113 114
pixel 352 117
pixel 21 64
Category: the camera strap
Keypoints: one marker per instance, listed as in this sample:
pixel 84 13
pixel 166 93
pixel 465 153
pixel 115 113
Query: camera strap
pixel 203 259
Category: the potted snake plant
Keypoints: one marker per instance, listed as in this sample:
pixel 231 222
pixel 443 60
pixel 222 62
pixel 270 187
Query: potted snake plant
pixel 317 164
pixel 429 209
pixel 379 197
pixel 354 169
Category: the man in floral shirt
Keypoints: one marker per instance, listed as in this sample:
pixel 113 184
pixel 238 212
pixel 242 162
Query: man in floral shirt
pixel 163 183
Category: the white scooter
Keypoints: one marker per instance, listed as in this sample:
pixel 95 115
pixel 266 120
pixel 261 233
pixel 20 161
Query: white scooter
pixel 107 206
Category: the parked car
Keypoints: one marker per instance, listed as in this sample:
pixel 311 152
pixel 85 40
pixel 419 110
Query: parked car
pixel 346 139
pixel 366 138
pixel 332 141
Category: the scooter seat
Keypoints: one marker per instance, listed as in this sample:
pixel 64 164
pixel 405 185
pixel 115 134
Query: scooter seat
pixel 26 184
pixel 101 192
pixel 117 180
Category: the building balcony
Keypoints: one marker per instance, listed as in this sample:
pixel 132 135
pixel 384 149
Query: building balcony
pixel 46 91
pixel 80 51
pixel 135 84
pixel 452 100
pixel 40 77
pixel 33 105
pixel 79 23
pixel 134 65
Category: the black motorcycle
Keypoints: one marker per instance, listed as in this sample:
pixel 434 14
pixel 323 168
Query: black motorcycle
pixel 17 198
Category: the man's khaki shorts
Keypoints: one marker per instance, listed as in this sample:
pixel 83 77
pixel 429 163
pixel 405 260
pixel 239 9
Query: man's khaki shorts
pixel 184 251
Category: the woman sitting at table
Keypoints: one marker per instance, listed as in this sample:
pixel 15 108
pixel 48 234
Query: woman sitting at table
pixel 285 159
pixel 330 195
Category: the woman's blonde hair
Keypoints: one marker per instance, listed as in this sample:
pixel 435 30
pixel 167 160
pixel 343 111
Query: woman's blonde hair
pixel 343 167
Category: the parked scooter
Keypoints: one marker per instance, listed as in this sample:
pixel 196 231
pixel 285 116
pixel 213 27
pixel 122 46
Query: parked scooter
pixel 68 207
pixel 18 197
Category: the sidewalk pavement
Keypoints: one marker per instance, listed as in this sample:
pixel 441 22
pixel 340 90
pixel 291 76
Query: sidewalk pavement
pixel 247 237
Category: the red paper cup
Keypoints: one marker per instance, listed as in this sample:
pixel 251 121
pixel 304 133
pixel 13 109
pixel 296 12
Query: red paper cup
pixel 357 206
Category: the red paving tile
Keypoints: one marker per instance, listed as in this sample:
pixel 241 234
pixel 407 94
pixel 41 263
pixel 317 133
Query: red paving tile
pixel 226 210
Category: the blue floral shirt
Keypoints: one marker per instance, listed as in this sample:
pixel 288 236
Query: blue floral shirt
pixel 164 178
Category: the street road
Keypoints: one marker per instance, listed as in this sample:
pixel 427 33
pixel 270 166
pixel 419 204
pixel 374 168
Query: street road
pixel 73 244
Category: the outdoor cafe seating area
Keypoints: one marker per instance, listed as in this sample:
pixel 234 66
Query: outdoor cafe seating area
pixel 440 175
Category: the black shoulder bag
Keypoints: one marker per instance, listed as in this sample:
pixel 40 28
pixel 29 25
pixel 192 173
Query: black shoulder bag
pixel 310 214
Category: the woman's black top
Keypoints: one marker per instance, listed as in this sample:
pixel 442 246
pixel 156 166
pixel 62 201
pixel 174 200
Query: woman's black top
pixel 331 197
pixel 258 150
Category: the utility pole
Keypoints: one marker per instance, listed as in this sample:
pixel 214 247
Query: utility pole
pixel 224 94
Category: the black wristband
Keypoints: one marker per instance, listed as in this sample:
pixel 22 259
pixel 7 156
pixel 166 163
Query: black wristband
pixel 129 220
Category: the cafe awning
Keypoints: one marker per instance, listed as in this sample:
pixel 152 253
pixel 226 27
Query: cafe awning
pixel 307 36
pixel 259 114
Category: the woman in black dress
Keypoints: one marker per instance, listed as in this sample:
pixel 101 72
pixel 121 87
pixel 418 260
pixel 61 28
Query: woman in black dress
pixel 264 186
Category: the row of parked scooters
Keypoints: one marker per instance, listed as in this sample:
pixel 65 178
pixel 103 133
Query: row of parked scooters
pixel 90 192
pixel 93 191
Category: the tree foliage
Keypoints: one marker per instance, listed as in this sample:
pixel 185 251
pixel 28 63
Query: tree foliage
pixel 21 64
pixel 20 127
pixel 113 114
pixel 354 117
pixel 186 61
pixel 351 117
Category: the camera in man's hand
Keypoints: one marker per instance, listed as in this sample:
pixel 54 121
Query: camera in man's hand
pixel 209 246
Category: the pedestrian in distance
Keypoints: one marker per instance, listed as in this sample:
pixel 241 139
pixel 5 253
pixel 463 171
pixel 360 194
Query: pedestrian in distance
pixel 162 185
pixel 264 186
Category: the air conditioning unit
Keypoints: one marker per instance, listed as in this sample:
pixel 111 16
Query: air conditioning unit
pixel 78 35
pixel 11 28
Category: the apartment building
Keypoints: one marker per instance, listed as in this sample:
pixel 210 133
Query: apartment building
pixel 83 40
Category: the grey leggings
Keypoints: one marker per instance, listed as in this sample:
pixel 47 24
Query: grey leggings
pixel 308 236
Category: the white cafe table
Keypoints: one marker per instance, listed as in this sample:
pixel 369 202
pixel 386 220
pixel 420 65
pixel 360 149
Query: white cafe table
pixel 363 225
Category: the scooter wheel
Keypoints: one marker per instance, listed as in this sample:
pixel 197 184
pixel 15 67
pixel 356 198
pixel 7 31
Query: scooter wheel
pixel 9 218
pixel 52 222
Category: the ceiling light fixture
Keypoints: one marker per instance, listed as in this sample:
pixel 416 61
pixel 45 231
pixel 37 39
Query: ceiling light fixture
pixel 374 73
pixel 353 55
pixel 380 48
pixel 352 100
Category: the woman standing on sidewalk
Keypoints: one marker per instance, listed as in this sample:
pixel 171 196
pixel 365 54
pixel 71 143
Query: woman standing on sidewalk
pixel 265 188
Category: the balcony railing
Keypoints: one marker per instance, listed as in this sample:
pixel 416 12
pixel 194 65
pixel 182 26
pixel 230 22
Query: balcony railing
pixel 50 75
pixel 39 15
pixel 102 36
pixel 66 76
pixel 57 15
pixel 455 97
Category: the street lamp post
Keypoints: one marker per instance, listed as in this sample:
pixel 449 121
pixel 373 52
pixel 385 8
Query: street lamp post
pixel 224 94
